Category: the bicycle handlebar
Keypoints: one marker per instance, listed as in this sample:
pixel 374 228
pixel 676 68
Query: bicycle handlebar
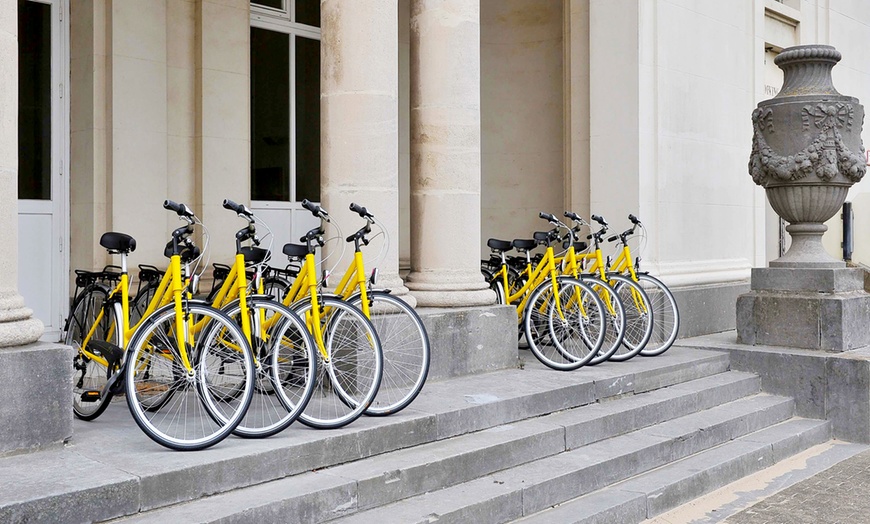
pixel 361 211
pixel 599 219
pixel 548 217
pixel 239 209
pixel 181 209
pixel 315 209
pixel 634 220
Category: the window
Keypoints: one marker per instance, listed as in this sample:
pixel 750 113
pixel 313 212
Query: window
pixel 285 100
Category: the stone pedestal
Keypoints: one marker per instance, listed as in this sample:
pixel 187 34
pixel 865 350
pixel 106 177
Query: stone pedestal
pixel 824 309
pixel 36 411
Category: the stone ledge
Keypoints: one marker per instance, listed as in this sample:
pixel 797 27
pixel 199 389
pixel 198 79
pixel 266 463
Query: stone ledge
pixel 36 387
pixel 829 386
pixel 466 341
pixel 802 280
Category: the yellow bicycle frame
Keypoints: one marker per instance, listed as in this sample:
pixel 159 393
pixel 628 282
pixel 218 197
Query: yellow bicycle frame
pixel 170 289
pixel 546 266
pixel 236 286
pixel 355 278
pixel 306 284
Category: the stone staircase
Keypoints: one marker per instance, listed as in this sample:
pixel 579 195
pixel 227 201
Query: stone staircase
pixel 619 442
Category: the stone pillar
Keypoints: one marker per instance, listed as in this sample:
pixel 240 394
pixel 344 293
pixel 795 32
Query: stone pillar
pixel 222 130
pixel 445 154
pixel 35 379
pixel 360 121
pixel 17 327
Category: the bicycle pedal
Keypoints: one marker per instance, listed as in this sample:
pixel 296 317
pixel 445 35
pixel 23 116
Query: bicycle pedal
pixel 91 396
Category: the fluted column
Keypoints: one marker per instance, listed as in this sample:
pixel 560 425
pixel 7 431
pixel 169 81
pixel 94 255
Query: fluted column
pixel 17 326
pixel 445 154
pixel 360 121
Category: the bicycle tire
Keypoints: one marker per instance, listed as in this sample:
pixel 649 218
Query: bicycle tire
pixel 665 313
pixel 88 374
pixel 615 316
pixel 275 287
pixel 348 381
pixel 282 387
pixel 638 317
pixel 559 343
pixel 199 414
pixel 406 351
pixel 140 303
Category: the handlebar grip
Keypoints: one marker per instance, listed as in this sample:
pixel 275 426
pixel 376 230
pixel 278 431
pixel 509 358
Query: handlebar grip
pixel 311 206
pixel 180 209
pixel 599 219
pixel 172 206
pixel 232 206
pixel 613 238
pixel 547 216
pixel 573 216
pixel 634 219
pixel 361 211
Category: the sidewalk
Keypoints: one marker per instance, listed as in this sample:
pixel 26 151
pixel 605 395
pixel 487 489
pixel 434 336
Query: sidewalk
pixel 827 484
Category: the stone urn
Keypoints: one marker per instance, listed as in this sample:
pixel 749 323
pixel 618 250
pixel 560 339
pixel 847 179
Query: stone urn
pixel 807 151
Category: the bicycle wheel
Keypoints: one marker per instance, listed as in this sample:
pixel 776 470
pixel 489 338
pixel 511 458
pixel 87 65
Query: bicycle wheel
pixel 275 287
pixel 350 367
pixel 638 317
pixel 568 334
pixel 614 315
pixel 405 345
pixel 666 316
pixel 207 403
pixel 282 386
pixel 89 375
pixel 140 303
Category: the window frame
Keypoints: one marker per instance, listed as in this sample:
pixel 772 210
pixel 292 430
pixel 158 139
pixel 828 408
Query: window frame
pixel 280 21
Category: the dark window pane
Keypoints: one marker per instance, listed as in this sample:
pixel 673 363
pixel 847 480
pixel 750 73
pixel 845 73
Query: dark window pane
pixel 34 100
pixel 308 12
pixel 307 119
pixel 270 115
pixel 277 4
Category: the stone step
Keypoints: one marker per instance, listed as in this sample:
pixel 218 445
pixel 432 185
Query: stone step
pixel 663 489
pixel 536 486
pixel 405 473
pixel 111 469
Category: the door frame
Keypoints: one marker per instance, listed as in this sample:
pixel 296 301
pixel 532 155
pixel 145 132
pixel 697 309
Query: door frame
pixel 60 111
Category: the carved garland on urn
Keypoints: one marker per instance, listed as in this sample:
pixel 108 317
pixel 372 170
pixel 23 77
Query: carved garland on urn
pixel 825 156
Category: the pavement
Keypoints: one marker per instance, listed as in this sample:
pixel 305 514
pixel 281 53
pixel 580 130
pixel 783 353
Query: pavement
pixel 826 484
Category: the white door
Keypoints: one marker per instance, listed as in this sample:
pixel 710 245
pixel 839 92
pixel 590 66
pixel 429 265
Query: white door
pixel 285 117
pixel 42 136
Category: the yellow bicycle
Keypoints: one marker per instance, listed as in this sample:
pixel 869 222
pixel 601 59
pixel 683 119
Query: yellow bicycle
pixel 663 305
pixel 283 385
pixel 351 360
pixel 637 317
pixel 186 368
pixel 561 317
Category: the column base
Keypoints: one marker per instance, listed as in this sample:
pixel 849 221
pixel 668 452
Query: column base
pixel 17 327
pixel 36 387
pixel 823 309
pixel 435 290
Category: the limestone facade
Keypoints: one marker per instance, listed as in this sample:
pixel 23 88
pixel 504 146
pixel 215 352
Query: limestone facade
pixel 453 120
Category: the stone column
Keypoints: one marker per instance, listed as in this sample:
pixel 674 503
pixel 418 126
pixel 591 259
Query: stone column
pixel 28 371
pixel 360 122
pixel 17 327
pixel 445 154
pixel 222 127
